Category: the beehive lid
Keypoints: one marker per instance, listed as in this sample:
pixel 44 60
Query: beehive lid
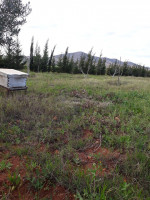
pixel 12 72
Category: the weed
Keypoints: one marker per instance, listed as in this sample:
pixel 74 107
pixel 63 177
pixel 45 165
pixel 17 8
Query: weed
pixel 22 151
pixel 5 165
pixel 97 156
pixel 36 181
pixel 14 179
pixel 76 159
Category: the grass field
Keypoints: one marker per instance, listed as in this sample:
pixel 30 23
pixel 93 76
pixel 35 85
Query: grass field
pixel 80 138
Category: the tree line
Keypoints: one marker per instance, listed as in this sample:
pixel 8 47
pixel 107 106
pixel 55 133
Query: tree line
pixel 86 64
pixel 64 63
pixel 47 62
pixel 127 70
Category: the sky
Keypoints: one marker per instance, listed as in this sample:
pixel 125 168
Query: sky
pixel 118 28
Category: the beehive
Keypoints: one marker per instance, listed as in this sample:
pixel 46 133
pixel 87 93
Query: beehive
pixel 13 79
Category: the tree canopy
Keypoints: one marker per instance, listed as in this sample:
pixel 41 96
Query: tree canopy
pixel 13 14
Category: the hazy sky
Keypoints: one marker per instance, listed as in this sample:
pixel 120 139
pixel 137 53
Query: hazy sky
pixel 118 27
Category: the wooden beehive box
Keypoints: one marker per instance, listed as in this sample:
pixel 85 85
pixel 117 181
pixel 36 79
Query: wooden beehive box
pixel 13 79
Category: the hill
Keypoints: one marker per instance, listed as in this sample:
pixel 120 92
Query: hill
pixel 77 55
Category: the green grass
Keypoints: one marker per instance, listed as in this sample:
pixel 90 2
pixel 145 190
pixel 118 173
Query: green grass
pixel 55 112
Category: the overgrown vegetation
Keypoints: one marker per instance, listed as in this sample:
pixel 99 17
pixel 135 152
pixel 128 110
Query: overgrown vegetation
pixel 88 136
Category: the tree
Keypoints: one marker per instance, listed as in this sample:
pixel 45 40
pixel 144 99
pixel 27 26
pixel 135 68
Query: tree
pixel 115 68
pixel 13 14
pixel 75 69
pixel 125 69
pixel 59 64
pixel 81 64
pixel 44 62
pixel 86 62
pixel 2 64
pixel 103 69
pixel 99 65
pixel 18 57
pixel 118 71
pixel 9 53
pixel 13 55
pixel 89 62
pixel 53 65
pixel 65 62
pixel 93 68
pixel 51 59
pixel 71 65
pixel 31 64
pixel 37 58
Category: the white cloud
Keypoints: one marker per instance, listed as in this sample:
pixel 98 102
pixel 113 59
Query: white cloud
pixel 120 28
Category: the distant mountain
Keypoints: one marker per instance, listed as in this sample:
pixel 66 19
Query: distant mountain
pixel 77 55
